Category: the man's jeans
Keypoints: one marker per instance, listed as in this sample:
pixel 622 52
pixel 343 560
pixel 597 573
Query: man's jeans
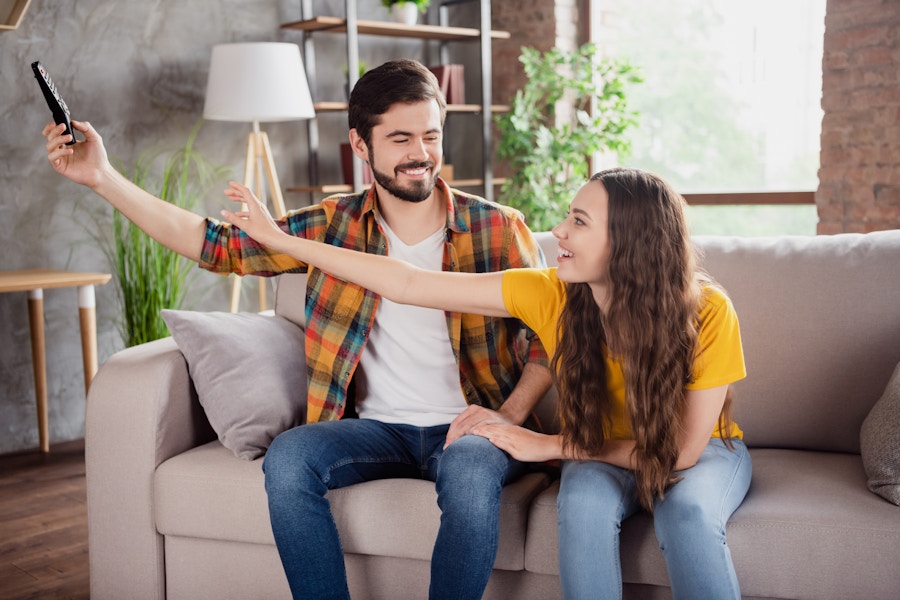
pixel 302 464
pixel 595 497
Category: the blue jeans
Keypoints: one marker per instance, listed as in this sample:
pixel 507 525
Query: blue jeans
pixel 302 464
pixel 596 497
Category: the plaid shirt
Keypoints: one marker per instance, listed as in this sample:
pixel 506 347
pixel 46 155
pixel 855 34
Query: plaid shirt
pixel 480 237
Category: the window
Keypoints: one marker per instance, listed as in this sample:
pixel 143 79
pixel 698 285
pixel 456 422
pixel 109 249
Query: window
pixel 730 101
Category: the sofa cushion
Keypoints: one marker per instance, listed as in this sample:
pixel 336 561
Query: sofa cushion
pixel 879 440
pixel 207 493
pixel 249 371
pixel 805 514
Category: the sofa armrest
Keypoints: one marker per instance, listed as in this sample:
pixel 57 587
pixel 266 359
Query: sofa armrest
pixel 141 410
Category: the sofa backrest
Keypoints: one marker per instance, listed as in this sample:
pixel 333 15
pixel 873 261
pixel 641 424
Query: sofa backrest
pixel 290 297
pixel 820 324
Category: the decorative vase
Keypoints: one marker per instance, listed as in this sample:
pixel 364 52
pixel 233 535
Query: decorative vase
pixel 405 12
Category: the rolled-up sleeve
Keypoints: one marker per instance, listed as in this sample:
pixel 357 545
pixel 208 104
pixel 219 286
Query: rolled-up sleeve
pixel 227 249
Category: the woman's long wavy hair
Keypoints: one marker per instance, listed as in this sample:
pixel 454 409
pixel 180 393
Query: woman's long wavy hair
pixel 650 328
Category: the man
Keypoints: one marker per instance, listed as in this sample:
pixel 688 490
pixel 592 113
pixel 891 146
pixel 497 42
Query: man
pixel 423 380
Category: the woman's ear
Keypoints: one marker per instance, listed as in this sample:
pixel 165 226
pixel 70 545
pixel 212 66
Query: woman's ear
pixel 359 146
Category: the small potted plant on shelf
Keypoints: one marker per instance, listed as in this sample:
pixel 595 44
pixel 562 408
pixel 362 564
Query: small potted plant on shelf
pixel 406 11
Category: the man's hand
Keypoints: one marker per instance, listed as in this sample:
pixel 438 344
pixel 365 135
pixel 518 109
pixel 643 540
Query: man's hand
pixel 474 416
pixel 254 218
pixel 520 443
pixel 84 162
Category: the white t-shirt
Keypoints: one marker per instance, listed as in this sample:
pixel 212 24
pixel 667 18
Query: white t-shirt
pixel 407 372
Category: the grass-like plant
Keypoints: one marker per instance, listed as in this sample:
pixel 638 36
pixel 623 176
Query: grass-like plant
pixel 149 276
pixel 549 153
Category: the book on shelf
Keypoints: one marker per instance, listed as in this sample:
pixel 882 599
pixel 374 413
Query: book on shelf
pixel 347 167
pixel 452 81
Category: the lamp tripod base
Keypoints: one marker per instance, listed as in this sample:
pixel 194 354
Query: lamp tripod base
pixel 259 176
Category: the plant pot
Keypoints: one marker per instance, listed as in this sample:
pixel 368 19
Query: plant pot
pixel 405 12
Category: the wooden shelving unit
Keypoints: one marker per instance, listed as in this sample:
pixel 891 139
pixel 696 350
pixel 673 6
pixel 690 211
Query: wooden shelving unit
pixel 12 12
pixel 324 107
pixel 387 28
pixel 352 27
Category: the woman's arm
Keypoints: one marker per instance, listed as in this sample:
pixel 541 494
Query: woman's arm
pixel 702 409
pixel 530 446
pixel 701 413
pixel 476 293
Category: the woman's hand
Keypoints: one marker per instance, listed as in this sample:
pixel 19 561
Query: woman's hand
pixel 522 444
pixel 470 419
pixel 254 218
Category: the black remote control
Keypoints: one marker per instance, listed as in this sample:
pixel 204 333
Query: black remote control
pixel 54 100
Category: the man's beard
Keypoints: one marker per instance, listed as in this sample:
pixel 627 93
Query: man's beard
pixel 417 191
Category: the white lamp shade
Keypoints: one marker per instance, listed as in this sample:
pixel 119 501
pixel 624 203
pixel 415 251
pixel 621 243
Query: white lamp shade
pixel 259 82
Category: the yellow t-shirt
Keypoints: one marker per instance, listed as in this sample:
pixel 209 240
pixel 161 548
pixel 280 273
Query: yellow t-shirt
pixel 536 297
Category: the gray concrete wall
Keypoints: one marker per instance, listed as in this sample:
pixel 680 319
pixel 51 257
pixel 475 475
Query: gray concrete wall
pixel 137 71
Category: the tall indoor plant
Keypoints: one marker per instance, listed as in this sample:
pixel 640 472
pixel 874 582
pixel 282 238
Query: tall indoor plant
pixel 548 150
pixel 149 276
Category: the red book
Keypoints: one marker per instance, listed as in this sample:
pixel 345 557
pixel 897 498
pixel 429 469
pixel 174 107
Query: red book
pixel 451 80
pixel 347 167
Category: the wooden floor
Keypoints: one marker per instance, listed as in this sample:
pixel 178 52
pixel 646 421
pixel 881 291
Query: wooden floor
pixel 43 524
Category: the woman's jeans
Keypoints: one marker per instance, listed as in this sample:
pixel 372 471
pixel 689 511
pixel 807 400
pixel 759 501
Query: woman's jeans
pixel 302 464
pixel 595 498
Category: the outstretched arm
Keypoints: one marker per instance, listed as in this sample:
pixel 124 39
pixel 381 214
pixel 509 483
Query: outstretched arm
pixel 476 293
pixel 86 163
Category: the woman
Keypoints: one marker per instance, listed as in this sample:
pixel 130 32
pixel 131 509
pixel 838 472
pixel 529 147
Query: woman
pixel 644 349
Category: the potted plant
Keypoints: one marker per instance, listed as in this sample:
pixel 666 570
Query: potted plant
pixel 149 276
pixel 548 150
pixel 406 11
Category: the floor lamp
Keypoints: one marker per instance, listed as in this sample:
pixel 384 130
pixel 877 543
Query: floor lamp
pixel 257 83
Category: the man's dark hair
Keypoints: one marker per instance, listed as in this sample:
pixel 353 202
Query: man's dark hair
pixel 402 80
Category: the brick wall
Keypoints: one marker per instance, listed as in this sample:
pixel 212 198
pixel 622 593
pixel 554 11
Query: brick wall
pixel 530 23
pixel 859 178
pixel 541 24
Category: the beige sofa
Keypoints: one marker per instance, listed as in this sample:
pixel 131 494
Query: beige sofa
pixel 173 514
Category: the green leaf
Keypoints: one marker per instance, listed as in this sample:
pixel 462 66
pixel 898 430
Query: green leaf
pixel 549 154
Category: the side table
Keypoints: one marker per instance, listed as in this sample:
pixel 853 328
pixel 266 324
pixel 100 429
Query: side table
pixel 35 281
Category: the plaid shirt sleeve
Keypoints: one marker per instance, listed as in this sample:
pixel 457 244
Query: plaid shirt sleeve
pixel 227 249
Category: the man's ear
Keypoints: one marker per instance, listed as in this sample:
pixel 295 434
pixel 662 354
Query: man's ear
pixel 359 146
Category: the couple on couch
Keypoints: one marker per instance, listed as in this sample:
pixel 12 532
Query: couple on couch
pixel 643 348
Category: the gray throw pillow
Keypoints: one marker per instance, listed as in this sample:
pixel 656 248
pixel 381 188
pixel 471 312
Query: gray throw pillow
pixel 249 371
pixel 879 440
